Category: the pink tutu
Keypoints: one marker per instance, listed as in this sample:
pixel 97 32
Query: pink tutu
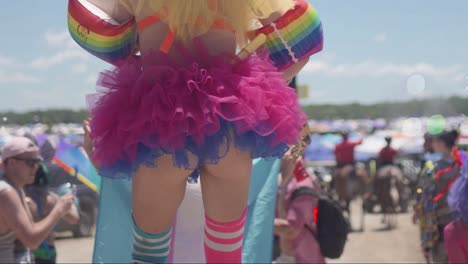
pixel 156 106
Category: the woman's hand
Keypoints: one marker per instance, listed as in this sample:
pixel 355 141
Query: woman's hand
pixel 285 230
pixel 281 225
pixel 88 143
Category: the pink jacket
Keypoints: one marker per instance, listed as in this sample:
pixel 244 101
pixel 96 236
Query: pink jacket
pixel 300 212
pixel 456 242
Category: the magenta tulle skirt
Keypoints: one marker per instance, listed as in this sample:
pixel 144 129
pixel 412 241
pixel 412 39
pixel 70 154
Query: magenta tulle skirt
pixel 198 106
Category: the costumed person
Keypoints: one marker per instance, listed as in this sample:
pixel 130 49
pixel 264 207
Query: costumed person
pixel 189 106
pixel 456 233
pixel 294 222
pixel 432 210
pixel 426 159
pixel 429 153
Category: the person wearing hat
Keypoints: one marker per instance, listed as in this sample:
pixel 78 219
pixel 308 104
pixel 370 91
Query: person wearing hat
pixel 20 158
pixel 42 199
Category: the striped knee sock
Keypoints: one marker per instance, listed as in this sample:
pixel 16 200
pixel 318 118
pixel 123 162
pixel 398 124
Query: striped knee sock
pixel 150 248
pixel 223 241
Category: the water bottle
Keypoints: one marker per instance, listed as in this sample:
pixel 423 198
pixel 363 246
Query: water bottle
pixel 66 189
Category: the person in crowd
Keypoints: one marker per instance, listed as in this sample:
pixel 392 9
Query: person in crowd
pixel 432 210
pixel 41 201
pixel 20 157
pixel 346 168
pixel 344 151
pixel 387 154
pixel 456 232
pixel 295 242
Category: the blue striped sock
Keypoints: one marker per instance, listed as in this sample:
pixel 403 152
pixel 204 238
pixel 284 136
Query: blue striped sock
pixel 150 248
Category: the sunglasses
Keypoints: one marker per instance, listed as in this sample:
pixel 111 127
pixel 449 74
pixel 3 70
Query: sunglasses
pixel 31 162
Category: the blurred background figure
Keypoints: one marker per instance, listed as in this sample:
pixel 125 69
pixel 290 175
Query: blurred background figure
pixel 350 179
pixel 42 199
pixel 432 210
pixel 388 176
pixel 388 154
pixel 456 233
pixel 294 223
pixel 21 161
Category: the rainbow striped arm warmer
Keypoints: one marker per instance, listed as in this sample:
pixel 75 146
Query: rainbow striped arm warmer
pixel 294 36
pixel 99 34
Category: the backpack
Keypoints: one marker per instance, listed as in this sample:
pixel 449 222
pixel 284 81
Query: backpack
pixel 332 226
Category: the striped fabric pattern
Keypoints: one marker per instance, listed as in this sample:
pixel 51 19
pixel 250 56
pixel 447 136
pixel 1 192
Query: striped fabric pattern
pixel 296 35
pixel 151 248
pixel 99 36
pixel 223 241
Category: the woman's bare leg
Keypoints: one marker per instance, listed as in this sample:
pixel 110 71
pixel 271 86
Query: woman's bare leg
pixel 156 194
pixel 225 188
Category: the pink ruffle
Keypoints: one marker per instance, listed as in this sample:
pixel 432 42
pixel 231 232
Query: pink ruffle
pixel 163 104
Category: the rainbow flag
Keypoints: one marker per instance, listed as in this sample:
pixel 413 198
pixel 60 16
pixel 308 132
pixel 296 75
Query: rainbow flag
pixel 76 163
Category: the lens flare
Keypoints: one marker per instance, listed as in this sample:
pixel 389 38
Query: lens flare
pixel 436 124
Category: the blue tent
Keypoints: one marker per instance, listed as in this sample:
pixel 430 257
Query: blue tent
pixel 322 147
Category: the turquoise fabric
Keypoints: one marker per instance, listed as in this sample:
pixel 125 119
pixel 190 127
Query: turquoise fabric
pixel 114 231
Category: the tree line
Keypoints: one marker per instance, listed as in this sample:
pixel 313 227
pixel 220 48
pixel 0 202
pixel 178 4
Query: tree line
pixel 416 108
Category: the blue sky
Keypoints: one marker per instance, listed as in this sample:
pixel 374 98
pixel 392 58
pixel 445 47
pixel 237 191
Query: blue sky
pixel 374 51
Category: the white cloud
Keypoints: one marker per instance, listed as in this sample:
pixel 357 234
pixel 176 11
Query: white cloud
pixel 381 37
pixel 461 77
pixel 79 68
pixel 17 77
pixel 380 69
pixel 58 58
pixel 59 39
pixel 7 61
pixel 316 67
pixel 65 49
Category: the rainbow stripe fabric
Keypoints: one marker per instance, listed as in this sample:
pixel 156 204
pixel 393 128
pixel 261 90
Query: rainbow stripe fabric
pixel 104 40
pixel 72 172
pixel 296 35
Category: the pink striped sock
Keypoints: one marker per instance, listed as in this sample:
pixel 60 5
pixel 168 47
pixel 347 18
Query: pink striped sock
pixel 223 241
